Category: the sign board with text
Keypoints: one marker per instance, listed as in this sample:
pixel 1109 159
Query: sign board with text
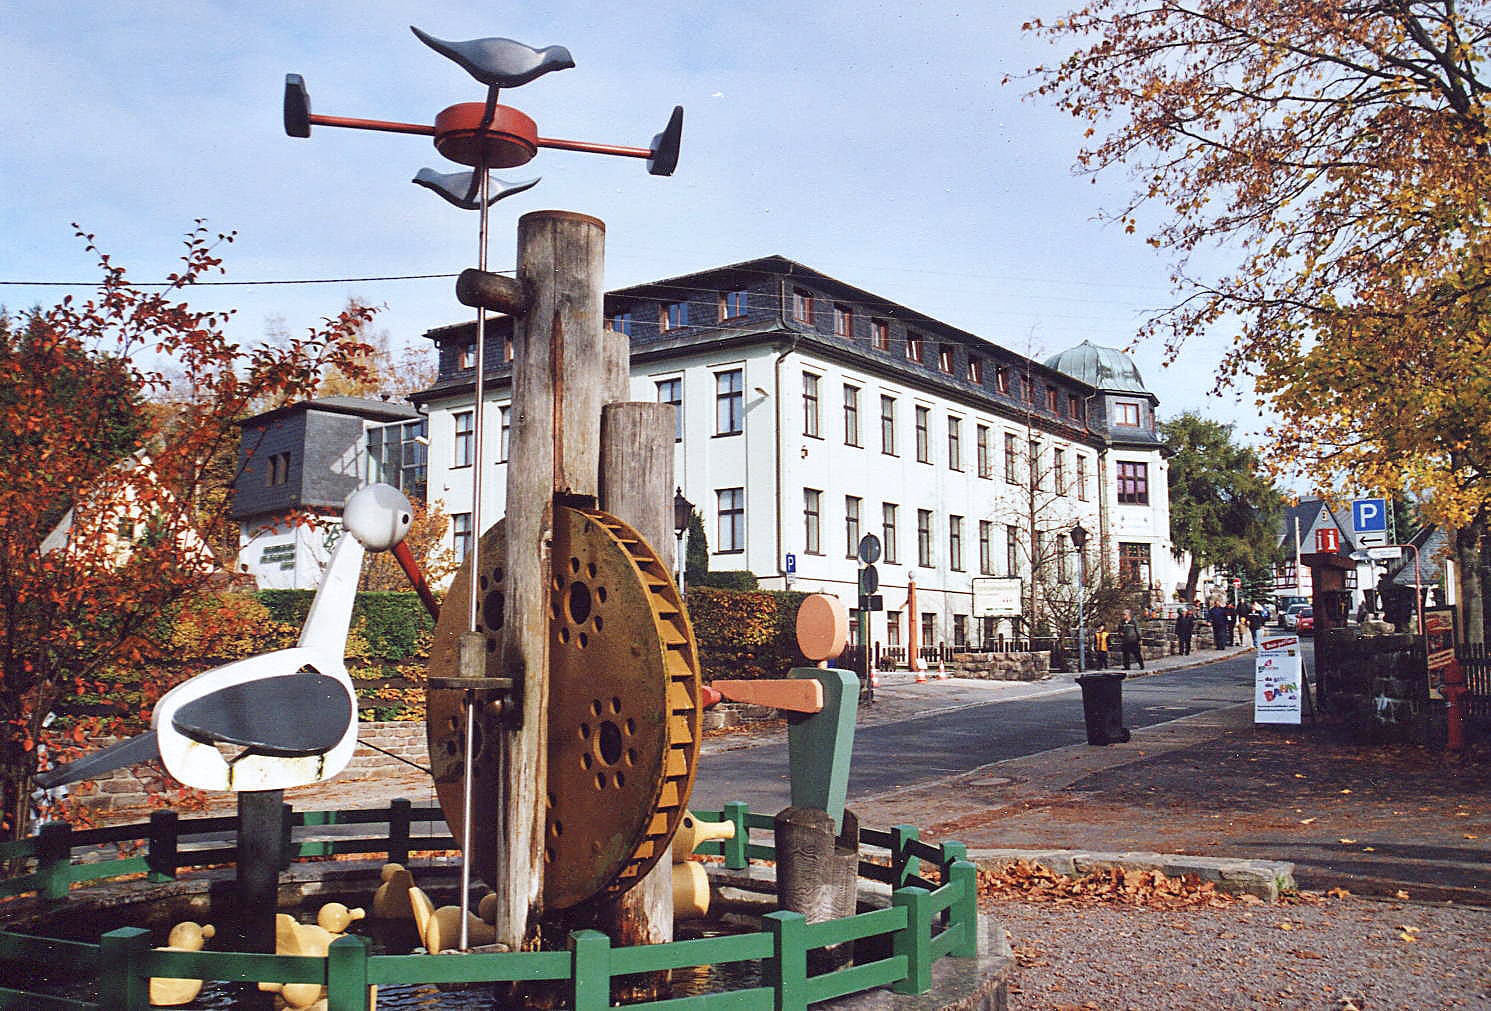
pixel 1277 676
pixel 1328 540
pixel 997 596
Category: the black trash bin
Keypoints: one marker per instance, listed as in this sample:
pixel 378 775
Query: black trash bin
pixel 1102 707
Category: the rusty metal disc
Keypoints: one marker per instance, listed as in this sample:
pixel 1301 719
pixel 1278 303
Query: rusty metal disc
pixel 623 709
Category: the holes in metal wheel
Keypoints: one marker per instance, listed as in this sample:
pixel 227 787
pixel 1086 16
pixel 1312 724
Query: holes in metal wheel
pixel 599 624
pixel 497 573
pixel 579 602
pixel 584 731
pixel 549 854
pixel 591 569
pixel 600 780
pixel 574 564
pixel 586 760
pixel 608 746
pixel 564 634
pixel 620 780
pixel 584 640
pixel 491 610
pixel 556 828
pixel 595 707
pixel 600 594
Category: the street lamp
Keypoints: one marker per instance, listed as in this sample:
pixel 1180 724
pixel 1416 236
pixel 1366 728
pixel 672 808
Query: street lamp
pixel 683 511
pixel 1079 541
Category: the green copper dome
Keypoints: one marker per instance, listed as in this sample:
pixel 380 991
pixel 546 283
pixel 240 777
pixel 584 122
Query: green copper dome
pixel 1104 368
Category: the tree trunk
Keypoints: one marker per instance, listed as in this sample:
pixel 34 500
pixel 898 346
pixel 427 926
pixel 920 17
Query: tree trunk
pixel 1193 576
pixel 1468 563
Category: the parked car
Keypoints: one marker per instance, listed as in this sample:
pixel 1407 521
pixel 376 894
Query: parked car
pixel 1291 615
pixel 1304 622
pixel 1285 603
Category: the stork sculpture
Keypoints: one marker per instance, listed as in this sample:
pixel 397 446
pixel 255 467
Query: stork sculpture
pixel 286 718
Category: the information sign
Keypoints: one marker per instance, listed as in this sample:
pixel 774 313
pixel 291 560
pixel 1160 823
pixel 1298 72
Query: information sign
pixel 997 596
pixel 1277 688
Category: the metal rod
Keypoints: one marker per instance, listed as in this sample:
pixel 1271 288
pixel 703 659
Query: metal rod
pixel 590 148
pixel 470 701
pixel 373 124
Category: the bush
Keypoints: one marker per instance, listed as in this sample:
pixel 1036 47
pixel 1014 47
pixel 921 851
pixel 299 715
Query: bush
pixel 727 579
pixel 394 625
pixel 745 634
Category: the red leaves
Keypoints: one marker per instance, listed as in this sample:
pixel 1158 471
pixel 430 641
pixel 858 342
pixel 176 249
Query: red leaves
pixel 1034 882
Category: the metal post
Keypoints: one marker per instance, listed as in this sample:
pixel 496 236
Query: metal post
pixel 1081 611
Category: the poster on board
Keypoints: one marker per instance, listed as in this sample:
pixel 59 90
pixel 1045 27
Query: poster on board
pixel 1439 645
pixel 1277 680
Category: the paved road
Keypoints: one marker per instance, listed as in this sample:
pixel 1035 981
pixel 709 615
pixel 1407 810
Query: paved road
pixel 1019 720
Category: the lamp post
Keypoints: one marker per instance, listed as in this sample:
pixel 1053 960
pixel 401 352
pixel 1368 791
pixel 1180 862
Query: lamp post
pixel 683 511
pixel 1079 541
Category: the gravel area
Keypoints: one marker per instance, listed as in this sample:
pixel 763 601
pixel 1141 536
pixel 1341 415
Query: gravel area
pixel 1341 955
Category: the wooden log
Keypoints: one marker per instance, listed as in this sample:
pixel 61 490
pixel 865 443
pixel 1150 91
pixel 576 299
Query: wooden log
pixel 817 873
pixel 558 385
pixel 483 290
pixel 783 693
pixel 637 486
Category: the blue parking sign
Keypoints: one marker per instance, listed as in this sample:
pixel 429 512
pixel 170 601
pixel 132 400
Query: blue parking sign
pixel 1369 515
pixel 791 566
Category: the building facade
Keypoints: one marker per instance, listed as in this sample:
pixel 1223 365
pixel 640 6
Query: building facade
pixel 299 463
pixel 810 412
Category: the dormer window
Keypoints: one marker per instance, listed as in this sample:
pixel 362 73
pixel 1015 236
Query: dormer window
pixel 674 315
pixel 732 305
pixel 1051 399
pixel 843 320
pixel 466 356
pixel 621 322
pixel 802 305
pixel 975 370
pixel 1002 379
pixel 1126 413
pixel 916 348
pixel 945 358
pixel 880 334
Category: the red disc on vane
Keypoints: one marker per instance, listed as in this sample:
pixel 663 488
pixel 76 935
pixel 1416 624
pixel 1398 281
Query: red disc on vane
pixel 510 139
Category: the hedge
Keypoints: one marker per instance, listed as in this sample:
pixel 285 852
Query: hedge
pixel 745 634
pixel 395 625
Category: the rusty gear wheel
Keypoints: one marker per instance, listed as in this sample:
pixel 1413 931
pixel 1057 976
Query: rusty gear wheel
pixel 623 709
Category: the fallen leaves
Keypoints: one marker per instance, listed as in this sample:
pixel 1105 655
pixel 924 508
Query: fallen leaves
pixel 1032 881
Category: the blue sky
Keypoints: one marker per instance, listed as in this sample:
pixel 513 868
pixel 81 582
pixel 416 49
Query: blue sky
pixel 873 142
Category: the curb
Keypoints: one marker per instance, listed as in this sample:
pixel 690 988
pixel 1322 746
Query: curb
pixel 1267 879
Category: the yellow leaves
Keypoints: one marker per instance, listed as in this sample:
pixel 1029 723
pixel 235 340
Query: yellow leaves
pixel 1032 881
pixel 1408 934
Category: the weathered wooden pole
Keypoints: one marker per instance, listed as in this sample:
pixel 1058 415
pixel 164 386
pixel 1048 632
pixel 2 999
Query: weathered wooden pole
pixel 637 486
pixel 559 387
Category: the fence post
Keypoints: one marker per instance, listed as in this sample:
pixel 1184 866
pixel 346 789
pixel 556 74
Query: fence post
pixel 963 913
pixel 162 853
pixel 314 819
pixel 903 864
pixel 735 849
pixel 590 970
pixel 400 816
pixel 347 974
pixel 786 971
pixel 287 823
pixel 119 975
pixel 54 858
pixel 914 940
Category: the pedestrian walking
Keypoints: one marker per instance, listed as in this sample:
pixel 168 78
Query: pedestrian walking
pixel 1129 640
pixel 1255 624
pixel 1100 647
pixel 1185 627
pixel 1229 630
pixel 1217 616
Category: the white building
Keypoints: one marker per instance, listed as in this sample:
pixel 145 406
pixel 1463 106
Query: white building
pixel 812 412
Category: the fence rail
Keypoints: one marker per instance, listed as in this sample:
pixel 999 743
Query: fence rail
pixel 933 914
pixel 1475 661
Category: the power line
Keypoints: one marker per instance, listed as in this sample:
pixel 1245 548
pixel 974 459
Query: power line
pixel 230 284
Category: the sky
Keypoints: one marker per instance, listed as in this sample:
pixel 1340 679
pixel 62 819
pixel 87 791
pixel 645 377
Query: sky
pixel 873 142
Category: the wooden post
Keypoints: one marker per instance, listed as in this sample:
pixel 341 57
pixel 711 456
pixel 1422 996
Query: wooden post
pixel 818 873
pixel 637 487
pixel 558 392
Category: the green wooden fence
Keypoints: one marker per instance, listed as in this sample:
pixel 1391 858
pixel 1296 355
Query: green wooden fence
pixel 933 914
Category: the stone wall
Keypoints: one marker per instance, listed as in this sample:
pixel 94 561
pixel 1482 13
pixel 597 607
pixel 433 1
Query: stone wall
pixel 1001 666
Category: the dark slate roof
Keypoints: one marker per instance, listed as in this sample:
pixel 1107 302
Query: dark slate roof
pixel 362 407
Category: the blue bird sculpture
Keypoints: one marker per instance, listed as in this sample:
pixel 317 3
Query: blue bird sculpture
pixel 500 63
pixel 463 189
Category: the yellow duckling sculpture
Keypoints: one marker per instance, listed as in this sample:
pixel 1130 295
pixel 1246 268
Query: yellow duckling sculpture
pixel 167 991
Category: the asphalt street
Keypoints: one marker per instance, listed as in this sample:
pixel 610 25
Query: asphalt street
pixel 1018 720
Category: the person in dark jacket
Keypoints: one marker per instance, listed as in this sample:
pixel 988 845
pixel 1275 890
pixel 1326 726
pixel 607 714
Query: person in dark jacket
pixel 1129 640
pixel 1229 617
pixel 1185 627
pixel 1218 618
pixel 1255 624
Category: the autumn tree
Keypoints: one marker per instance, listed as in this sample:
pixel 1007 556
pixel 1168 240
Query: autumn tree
pixel 104 483
pixel 427 543
pixel 1224 510
pixel 1331 157
pixel 380 370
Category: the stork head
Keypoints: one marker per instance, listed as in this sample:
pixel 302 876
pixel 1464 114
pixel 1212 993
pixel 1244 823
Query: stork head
pixel 378 516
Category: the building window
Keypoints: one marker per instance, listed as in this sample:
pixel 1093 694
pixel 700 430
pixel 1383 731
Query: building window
pixel 1051 399
pixel 464 444
pixel 924 537
pixel 1082 478
pixel 955 543
pixel 460 535
pixel 923 435
pixel 1002 379
pixel 1126 414
pixel 812 515
pixel 888 425
pixel 851 415
pixel 986 547
pixel 732 305
pixel 955 443
pixel 730 507
pixel 279 463
pixel 1058 469
pixel 505 434
pixel 1011 550
pixel 960 630
pixel 929 628
pixel 621 322
pixel 916 348
pixel 851 526
pixel 1074 406
pixel 1011 459
pixel 880 334
pixel 398 454
pixel 802 305
pixel 1133 565
pixel 975 370
pixel 1133 483
pixel 1063 559
pixel 888 531
pixel 893 628
pixel 985 453
pixel 729 402
pixel 843 320
pixel 466 356
pixel 810 405
pixel 670 391
pixel 507 348
pixel 674 315
pixel 946 358
pixel 1035 464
